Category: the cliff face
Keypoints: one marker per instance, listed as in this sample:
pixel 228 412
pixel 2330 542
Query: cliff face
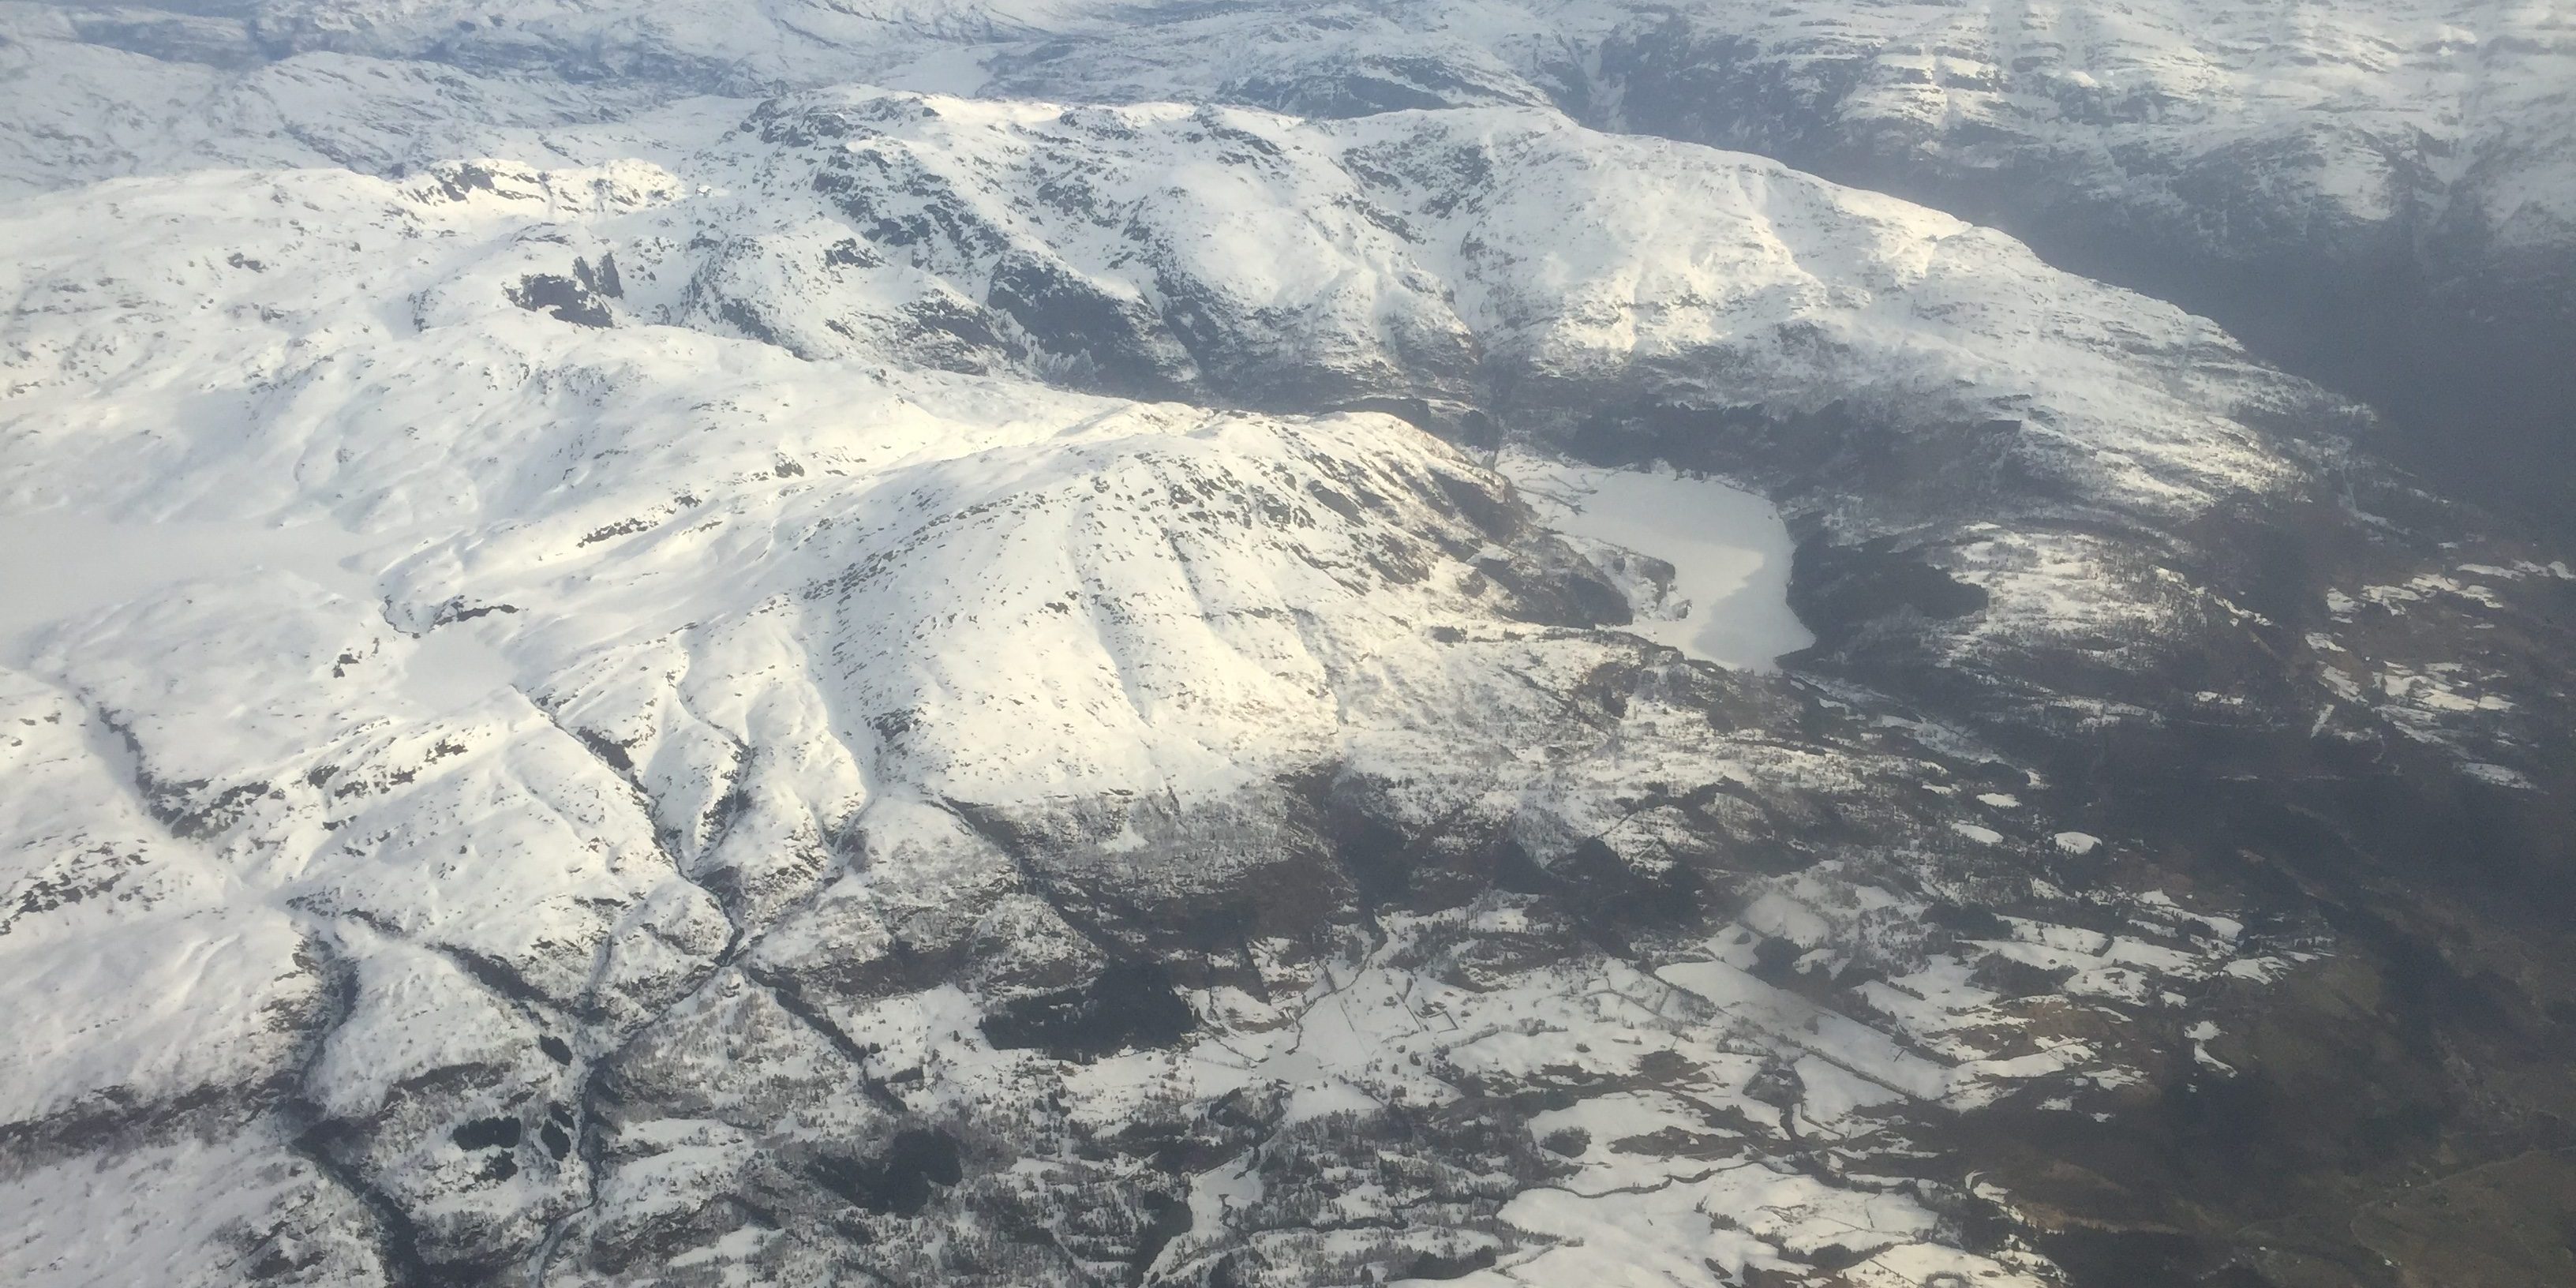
pixel 631 661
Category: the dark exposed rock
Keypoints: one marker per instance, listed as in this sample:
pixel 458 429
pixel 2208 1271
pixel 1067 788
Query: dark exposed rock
pixel 1839 590
pixel 1128 1004
pixel 562 298
pixel 896 1179
pixel 1098 338
pixel 487 1133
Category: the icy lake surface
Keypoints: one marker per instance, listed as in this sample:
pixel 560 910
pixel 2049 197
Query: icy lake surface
pixel 1728 547
pixel 62 564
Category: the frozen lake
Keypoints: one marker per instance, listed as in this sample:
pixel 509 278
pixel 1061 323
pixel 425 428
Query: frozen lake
pixel 1728 547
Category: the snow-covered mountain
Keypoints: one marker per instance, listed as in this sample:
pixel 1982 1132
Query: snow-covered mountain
pixel 1066 644
pixel 2234 132
pixel 2382 196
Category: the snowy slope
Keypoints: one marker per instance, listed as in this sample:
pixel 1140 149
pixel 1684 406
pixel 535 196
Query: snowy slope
pixel 717 662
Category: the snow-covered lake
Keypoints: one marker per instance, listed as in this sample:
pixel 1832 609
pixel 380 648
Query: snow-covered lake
pixel 62 563
pixel 1728 547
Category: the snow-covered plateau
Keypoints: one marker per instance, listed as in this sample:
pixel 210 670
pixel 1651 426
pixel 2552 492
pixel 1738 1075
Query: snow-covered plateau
pixel 1050 643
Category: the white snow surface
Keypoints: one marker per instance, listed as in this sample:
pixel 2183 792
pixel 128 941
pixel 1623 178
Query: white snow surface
pixel 399 679
pixel 59 563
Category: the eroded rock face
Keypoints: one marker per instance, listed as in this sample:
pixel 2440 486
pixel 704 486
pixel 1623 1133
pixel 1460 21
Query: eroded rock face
pixel 813 773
